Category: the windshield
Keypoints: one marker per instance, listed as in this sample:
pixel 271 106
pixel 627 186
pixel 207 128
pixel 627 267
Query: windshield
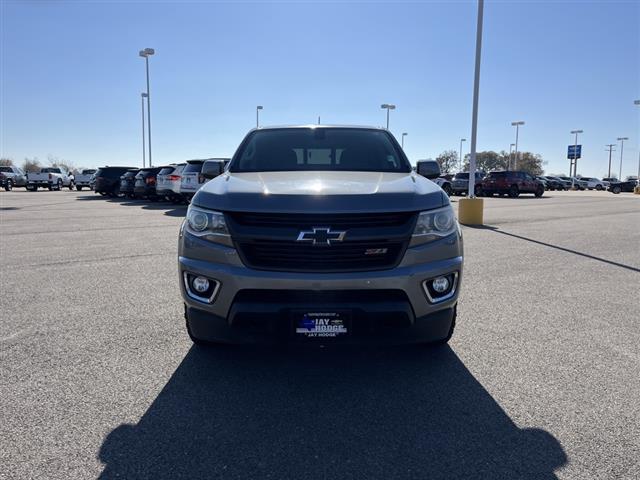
pixel 462 176
pixel 306 149
pixel 498 175
pixel 5 169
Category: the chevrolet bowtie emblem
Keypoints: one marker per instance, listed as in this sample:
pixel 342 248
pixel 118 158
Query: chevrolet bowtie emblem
pixel 322 236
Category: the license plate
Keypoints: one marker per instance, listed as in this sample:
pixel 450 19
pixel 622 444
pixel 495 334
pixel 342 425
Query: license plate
pixel 321 324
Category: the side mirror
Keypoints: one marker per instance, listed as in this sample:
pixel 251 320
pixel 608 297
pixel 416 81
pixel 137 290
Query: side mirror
pixel 428 168
pixel 212 168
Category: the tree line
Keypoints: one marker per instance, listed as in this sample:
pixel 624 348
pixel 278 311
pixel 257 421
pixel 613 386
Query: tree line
pixel 33 165
pixel 489 160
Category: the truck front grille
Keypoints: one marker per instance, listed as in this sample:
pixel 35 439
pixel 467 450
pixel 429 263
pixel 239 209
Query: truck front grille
pixel 373 241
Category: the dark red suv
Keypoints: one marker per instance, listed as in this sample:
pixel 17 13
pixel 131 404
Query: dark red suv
pixel 512 184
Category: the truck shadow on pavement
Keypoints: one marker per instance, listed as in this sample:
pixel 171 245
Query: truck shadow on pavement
pixel 387 413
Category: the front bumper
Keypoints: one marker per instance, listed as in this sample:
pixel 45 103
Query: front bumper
pixel 255 306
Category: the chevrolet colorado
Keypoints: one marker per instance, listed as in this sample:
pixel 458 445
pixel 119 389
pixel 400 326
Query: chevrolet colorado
pixel 320 234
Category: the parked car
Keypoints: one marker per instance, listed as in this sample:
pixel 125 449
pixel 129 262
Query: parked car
pixel 511 183
pixel 12 176
pixel 83 178
pixel 445 185
pixel 460 183
pixel 107 180
pixel 607 180
pixel 555 183
pixel 145 184
pixel 626 186
pixel 575 182
pixel 593 182
pixel 320 234
pixel 544 182
pixel 168 182
pixel 191 179
pixel 53 178
pixel 127 182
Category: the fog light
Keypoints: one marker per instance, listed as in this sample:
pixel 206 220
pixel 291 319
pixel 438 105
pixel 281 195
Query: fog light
pixel 440 284
pixel 200 284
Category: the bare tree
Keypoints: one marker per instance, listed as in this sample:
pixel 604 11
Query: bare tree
pixel 31 165
pixel 447 161
pixel 6 162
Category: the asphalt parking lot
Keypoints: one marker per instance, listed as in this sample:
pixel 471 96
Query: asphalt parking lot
pixel 99 379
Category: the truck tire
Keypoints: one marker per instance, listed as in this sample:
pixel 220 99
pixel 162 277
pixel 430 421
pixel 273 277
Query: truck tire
pixel 78 187
pixel 539 192
pixel 616 189
pixel 447 189
pixel 71 185
pixel 8 186
pixel 598 187
pixel 514 191
pixel 30 188
pixel 59 185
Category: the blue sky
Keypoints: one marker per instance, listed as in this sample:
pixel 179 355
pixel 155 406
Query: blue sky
pixel 71 76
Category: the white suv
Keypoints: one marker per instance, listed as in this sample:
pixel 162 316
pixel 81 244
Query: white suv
pixel 593 183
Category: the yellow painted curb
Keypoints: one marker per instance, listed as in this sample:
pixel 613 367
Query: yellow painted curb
pixel 636 190
pixel 470 211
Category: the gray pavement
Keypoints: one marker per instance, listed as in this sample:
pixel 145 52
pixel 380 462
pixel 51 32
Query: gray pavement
pixel 99 379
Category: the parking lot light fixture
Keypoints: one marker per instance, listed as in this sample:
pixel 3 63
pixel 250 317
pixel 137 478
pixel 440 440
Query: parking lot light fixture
pixel 511 145
pixel 470 209
pixel 142 97
pixel 403 135
pixel 517 124
pixel 574 161
pixel 637 189
pixel 258 108
pixel 388 106
pixel 146 53
pixel 621 140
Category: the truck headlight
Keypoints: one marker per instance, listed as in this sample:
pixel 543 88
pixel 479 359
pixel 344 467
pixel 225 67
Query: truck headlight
pixel 207 224
pixel 434 224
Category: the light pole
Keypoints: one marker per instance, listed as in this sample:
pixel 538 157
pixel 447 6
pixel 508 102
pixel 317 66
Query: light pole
pixel 146 53
pixel 471 189
pixel 142 97
pixel 621 140
pixel 511 145
pixel 637 102
pixel 610 148
pixel 517 125
pixel 388 106
pixel 404 135
pixel 258 108
pixel 461 162
pixel 575 157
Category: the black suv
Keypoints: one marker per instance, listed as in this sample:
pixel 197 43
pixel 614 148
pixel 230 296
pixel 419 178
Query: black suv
pixel 145 185
pixel 127 181
pixel 107 180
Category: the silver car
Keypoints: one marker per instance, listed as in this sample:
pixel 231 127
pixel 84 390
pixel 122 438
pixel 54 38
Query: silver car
pixel 320 234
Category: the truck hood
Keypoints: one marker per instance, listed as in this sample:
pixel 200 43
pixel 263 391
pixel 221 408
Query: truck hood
pixel 320 191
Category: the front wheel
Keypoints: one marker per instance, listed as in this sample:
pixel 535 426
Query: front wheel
pixel 616 190
pixel 59 185
pixel 539 192
pixel 71 185
pixel 8 186
pixel 598 187
pixel 447 189
pixel 514 192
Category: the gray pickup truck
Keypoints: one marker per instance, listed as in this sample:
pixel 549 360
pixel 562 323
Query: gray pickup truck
pixel 320 234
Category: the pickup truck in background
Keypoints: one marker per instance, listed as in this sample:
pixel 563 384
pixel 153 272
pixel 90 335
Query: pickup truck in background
pixel 53 178
pixel 12 176
pixel 83 178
